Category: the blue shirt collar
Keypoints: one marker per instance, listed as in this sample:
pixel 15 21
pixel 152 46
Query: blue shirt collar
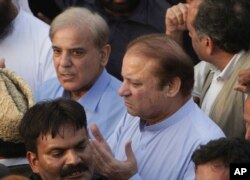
pixel 91 99
pixel 173 119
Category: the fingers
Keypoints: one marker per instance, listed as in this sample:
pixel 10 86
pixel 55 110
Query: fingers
pixel 244 76
pixel 103 159
pixel 129 152
pixel 131 160
pixel 247 135
pixel 2 63
pixel 96 132
pixel 243 81
pixel 241 88
pixel 176 17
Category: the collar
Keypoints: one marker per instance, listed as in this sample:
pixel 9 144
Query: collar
pixel 91 99
pixel 228 70
pixel 173 119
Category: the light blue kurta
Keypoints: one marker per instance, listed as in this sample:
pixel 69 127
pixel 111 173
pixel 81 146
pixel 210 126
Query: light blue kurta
pixel 102 103
pixel 163 151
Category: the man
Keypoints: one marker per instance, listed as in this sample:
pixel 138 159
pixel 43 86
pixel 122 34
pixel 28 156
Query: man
pixel 15 99
pixel 212 160
pixel 81 52
pixel 163 123
pixel 224 51
pixel 56 139
pixel 25 45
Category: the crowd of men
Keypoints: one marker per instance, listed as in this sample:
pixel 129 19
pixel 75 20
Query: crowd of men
pixel 119 90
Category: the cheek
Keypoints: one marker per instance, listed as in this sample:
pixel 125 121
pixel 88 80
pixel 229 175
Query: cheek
pixel 56 63
pixel 50 167
pixel 88 158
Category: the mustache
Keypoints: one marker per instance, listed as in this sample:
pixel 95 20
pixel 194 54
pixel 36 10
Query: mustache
pixel 70 169
pixel 65 72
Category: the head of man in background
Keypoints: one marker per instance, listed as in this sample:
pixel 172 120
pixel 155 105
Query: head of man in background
pixel 56 139
pixel 212 160
pixel 8 12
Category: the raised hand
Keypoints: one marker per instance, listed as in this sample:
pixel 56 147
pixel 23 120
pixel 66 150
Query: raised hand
pixel 175 21
pixel 106 164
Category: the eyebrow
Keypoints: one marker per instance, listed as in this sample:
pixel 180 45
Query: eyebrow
pixel 82 142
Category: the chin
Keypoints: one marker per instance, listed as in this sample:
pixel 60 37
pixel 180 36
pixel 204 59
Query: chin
pixel 133 113
pixel 69 87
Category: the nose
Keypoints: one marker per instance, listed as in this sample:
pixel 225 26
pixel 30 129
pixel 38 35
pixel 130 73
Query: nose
pixel 124 90
pixel 73 157
pixel 65 60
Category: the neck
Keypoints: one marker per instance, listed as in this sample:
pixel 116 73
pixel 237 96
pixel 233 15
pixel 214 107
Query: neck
pixel 173 107
pixel 222 59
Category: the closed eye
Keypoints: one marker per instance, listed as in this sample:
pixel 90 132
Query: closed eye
pixel 82 145
pixel 56 153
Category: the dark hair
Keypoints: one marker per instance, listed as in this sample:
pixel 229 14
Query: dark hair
pixel 172 60
pixel 226 23
pixel 47 117
pixel 225 150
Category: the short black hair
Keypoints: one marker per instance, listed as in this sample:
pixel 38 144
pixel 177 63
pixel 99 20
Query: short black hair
pixel 47 117
pixel 225 150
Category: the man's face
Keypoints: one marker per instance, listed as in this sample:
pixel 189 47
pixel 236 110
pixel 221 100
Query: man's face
pixel 6 17
pixel 211 171
pixel 140 88
pixel 78 62
pixel 120 6
pixel 66 156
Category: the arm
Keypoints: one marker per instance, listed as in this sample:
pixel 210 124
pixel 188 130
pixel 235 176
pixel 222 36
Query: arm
pixel 175 21
pixel 106 164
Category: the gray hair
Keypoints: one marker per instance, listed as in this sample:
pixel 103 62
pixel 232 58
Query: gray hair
pixel 82 18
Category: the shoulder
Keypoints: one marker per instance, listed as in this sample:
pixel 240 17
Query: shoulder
pixel 204 127
pixel 48 89
pixel 31 20
pixel 114 82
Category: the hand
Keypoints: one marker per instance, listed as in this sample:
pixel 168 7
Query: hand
pixel 243 81
pixel 2 63
pixel 247 117
pixel 106 164
pixel 247 135
pixel 175 21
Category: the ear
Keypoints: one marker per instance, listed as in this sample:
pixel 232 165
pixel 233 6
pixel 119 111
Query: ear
pixel 33 161
pixel 173 87
pixel 105 52
pixel 209 45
